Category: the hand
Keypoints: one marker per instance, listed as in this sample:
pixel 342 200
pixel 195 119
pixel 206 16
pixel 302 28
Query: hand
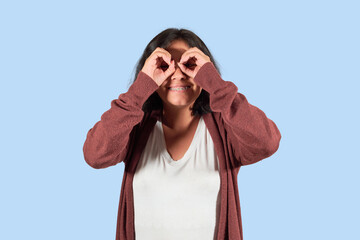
pixel 155 64
pixel 192 60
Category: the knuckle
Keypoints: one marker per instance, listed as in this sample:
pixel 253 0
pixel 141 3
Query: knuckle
pixel 157 50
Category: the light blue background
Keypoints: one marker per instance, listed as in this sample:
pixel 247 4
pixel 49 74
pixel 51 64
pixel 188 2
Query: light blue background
pixel 62 62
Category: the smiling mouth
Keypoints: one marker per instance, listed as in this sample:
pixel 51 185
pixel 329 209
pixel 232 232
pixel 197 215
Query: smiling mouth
pixel 178 88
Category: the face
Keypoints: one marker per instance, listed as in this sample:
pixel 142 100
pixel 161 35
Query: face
pixel 178 98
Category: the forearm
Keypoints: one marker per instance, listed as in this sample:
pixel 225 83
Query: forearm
pixel 252 135
pixel 107 142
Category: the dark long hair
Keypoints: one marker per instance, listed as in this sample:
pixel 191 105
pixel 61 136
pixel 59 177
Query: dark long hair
pixel 163 40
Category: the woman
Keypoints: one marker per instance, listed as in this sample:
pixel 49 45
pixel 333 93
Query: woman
pixel 183 133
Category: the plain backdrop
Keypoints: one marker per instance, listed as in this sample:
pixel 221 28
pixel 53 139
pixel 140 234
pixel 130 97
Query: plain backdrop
pixel 62 62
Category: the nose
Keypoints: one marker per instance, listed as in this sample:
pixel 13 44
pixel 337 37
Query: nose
pixel 178 74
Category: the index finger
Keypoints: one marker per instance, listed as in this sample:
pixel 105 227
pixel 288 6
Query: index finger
pixel 188 54
pixel 161 52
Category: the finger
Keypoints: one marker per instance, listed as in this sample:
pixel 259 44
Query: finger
pixel 160 52
pixel 196 69
pixel 170 69
pixel 183 69
pixel 164 57
pixel 187 55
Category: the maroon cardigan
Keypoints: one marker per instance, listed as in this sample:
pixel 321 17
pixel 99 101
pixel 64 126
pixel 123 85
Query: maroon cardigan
pixel 241 132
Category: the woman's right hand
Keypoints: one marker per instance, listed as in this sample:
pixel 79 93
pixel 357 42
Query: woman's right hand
pixel 159 65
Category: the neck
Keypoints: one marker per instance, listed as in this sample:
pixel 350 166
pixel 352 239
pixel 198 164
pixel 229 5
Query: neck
pixel 178 119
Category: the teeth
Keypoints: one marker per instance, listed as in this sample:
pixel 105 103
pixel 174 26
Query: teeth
pixel 179 88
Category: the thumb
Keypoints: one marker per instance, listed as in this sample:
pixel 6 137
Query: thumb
pixel 170 69
pixel 183 68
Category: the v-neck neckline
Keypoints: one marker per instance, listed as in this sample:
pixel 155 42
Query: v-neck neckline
pixel 188 152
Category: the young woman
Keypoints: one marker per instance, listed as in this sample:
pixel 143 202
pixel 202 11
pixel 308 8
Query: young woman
pixel 183 133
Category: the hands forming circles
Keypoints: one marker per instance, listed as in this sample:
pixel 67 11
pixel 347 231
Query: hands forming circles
pixel 159 65
pixel 192 60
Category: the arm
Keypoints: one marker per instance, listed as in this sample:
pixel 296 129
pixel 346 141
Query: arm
pixel 108 141
pixel 252 135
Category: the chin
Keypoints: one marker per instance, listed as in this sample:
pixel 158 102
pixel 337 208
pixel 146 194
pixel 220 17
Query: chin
pixel 180 104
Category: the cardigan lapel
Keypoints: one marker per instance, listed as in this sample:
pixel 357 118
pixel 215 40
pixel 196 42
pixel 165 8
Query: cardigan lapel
pixel 214 130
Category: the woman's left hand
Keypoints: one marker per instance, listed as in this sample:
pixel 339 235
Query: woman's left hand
pixel 192 60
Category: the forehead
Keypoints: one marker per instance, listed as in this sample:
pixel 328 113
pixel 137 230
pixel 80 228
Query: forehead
pixel 177 48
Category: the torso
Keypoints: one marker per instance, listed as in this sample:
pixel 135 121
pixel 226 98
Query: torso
pixel 177 143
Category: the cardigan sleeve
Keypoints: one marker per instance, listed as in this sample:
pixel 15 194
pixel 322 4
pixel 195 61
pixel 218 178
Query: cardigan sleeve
pixel 107 142
pixel 251 134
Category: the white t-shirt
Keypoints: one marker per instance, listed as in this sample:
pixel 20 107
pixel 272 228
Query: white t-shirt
pixel 177 199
